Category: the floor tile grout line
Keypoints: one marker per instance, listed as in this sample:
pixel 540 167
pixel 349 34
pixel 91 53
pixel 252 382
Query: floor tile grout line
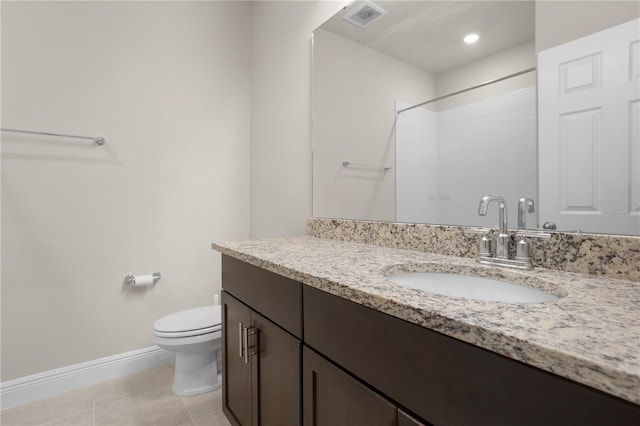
pixel 188 411
pixel 93 419
pixel 69 415
pixel 57 419
pixel 130 395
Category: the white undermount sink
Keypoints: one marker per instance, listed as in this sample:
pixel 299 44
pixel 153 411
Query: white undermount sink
pixel 471 287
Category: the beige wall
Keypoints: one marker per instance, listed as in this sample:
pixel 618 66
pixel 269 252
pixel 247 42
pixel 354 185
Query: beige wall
pixel 168 85
pixel 360 128
pixel 281 114
pixel 558 22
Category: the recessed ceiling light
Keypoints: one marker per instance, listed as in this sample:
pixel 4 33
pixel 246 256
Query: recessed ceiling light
pixel 471 38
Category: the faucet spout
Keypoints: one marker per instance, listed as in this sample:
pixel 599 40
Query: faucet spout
pixel 502 210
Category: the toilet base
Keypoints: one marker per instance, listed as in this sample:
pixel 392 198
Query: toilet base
pixel 191 392
pixel 196 373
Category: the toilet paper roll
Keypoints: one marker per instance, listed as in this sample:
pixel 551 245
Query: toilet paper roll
pixel 143 280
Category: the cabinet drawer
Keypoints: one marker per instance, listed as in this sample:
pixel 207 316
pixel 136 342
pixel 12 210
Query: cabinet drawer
pixel 274 296
pixel 446 381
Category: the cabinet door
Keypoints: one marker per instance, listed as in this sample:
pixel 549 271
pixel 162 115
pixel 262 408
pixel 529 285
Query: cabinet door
pixel 333 398
pixel 236 375
pixel 278 374
pixel 406 420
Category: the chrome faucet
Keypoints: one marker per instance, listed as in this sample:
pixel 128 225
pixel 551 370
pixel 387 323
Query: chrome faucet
pixel 502 246
pixel 502 257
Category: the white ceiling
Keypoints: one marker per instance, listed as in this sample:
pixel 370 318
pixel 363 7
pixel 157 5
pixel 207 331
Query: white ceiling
pixel 428 34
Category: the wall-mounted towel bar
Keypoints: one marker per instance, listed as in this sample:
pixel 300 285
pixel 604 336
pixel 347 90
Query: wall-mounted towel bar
pixel 366 166
pixel 99 140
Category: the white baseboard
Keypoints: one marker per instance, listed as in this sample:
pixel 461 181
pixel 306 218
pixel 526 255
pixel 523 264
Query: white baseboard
pixel 50 383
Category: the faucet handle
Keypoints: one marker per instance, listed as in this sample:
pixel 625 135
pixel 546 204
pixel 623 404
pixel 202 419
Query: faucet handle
pixel 485 246
pixel 525 205
pixel 522 250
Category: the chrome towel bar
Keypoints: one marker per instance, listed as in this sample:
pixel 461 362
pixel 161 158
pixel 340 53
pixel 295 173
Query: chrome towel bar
pixel 367 166
pixel 99 140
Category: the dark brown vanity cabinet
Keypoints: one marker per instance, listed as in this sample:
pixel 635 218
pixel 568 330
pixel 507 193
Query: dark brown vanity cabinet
pixel 357 366
pixel 445 381
pixel 261 358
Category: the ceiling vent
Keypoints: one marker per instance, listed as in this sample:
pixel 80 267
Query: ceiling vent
pixel 364 14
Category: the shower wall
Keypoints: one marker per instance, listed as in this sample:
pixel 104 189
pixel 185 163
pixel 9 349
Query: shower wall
pixel 168 85
pixel 447 160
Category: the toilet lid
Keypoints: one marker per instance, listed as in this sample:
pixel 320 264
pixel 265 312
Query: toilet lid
pixel 189 323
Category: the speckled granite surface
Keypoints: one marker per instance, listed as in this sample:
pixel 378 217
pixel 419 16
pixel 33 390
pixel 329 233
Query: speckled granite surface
pixel 591 335
pixel 612 256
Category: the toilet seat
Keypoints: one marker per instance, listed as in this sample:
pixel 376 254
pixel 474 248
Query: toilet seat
pixel 192 322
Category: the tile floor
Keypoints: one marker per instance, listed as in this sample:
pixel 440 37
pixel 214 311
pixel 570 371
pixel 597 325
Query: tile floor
pixel 137 400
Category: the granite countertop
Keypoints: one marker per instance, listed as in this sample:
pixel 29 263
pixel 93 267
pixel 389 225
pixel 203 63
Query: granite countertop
pixel 590 335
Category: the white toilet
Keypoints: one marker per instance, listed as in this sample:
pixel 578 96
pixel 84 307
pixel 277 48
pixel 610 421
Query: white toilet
pixel 194 335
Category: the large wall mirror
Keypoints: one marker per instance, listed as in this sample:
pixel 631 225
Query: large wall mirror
pixel 411 123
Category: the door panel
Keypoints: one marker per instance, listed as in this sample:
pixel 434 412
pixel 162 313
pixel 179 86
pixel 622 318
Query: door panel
pixel 236 375
pixel 278 372
pixel 589 144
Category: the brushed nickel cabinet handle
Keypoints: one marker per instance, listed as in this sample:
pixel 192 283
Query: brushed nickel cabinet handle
pixel 240 340
pixel 246 332
pixel 245 340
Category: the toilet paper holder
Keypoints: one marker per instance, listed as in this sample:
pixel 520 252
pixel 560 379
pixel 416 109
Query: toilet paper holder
pixel 131 279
